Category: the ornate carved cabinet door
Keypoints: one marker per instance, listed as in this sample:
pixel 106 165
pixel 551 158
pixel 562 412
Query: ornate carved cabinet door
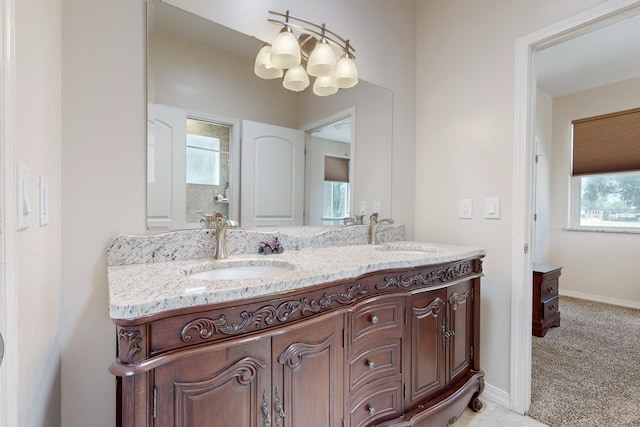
pixel 459 329
pixel 426 352
pixel 308 374
pixel 221 386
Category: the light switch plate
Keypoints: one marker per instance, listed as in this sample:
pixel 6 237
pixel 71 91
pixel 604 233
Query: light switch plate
pixel 465 209
pixel 23 204
pixel 492 208
pixel 44 199
pixel 363 207
pixel 375 206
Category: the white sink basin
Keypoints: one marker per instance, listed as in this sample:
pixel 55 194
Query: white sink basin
pixel 409 248
pixel 245 270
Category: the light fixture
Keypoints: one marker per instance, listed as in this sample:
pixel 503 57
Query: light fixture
pixel 309 53
pixel 264 68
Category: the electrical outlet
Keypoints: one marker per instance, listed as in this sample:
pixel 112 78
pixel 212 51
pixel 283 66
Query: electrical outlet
pixel 363 208
pixel 375 206
pixel 465 209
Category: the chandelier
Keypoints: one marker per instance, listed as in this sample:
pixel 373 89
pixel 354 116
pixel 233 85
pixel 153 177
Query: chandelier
pixel 302 43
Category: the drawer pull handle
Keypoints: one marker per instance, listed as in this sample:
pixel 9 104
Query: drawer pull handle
pixel 372 410
pixel 371 364
pixel 550 290
pixel 374 320
pixel 552 307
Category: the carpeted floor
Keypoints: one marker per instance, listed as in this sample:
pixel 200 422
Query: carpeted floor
pixel 587 371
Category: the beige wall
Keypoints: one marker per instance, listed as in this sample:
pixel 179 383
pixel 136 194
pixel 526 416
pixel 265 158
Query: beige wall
pixel 103 155
pixel 38 270
pixel 103 171
pixel 465 134
pixel 599 266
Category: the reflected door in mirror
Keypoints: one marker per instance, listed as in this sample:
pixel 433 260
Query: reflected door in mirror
pixel 272 175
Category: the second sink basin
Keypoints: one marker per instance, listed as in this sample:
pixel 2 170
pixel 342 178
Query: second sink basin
pixel 409 248
pixel 236 270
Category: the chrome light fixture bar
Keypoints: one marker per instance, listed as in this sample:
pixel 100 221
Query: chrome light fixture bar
pixel 311 47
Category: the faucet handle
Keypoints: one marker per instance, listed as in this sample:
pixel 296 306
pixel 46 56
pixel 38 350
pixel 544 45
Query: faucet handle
pixel 207 219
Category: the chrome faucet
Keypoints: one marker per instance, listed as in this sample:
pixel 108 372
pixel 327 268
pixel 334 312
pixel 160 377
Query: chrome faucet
pixel 373 227
pixel 221 224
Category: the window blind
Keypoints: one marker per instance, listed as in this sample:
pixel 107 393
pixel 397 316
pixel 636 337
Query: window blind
pixel 336 169
pixel 607 144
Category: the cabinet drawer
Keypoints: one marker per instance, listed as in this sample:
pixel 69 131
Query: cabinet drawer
pixel 549 307
pixel 378 403
pixel 373 363
pixel 375 318
pixel 548 290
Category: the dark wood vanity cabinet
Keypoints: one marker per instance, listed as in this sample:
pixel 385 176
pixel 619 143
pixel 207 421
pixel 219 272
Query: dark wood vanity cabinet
pixel 391 348
pixel 255 382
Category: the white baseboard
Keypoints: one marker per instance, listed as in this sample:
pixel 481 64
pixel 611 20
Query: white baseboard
pixel 599 298
pixel 496 395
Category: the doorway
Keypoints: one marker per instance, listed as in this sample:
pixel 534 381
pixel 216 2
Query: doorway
pixel 523 203
pixel 329 186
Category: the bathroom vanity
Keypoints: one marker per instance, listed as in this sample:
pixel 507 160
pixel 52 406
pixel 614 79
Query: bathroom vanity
pixel 353 335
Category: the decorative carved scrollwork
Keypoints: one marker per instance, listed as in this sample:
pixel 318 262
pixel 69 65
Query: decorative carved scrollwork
pixel 433 309
pixel 456 298
pixel 244 371
pixel 442 275
pixel 268 314
pixel 129 345
pixel 292 356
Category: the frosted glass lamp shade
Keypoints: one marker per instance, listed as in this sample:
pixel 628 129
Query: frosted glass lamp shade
pixel 324 86
pixel 346 74
pixel 263 67
pixel 296 79
pixel 285 52
pixel 322 61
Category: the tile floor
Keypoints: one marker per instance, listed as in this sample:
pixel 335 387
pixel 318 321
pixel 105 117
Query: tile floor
pixel 494 415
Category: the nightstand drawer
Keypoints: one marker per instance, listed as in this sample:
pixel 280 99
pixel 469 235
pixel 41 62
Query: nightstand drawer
pixel 548 290
pixel 550 307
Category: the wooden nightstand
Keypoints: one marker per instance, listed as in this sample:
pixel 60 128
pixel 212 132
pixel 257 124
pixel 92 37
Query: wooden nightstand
pixel 545 298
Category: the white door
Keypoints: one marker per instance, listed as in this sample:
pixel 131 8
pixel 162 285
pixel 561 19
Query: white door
pixel 272 176
pixel 166 167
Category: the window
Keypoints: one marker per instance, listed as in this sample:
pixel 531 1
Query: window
pixel 336 190
pixel 336 202
pixel 609 200
pixel 203 160
pixel 606 171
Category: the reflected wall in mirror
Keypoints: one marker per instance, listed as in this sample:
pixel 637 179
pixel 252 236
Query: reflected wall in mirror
pixel 204 71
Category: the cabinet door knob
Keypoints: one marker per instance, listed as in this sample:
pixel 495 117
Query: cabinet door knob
pixel 372 410
pixel 374 320
pixel 371 365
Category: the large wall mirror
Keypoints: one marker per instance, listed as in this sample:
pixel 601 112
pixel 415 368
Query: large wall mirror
pixel 206 109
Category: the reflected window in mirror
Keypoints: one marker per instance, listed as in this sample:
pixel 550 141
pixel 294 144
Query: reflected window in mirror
pixel 207 167
pixel 336 190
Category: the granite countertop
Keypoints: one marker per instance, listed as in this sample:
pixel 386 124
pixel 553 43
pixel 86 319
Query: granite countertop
pixel 144 289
